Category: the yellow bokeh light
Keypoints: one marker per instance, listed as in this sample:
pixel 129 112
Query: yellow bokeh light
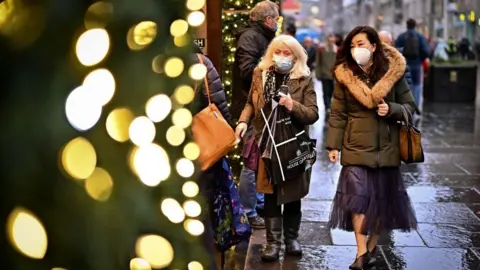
pixel 92 46
pixel 82 110
pixel 194 227
pixel 184 94
pixel 178 28
pixel 191 151
pixel 139 264
pixel 195 266
pixel 197 71
pixel 172 210
pixel 144 32
pixel 99 185
pixel 142 131
pixel 156 250
pixel 181 41
pixel 192 208
pixel 190 189
pixel 185 168
pixel 195 4
pixel 27 233
pixel 182 118
pixel 101 85
pixel 174 67
pixel 79 158
pixel 98 15
pixel 158 107
pixel 118 123
pixel 151 164
pixel 196 18
pixel 157 64
pixel 58 268
pixel 175 135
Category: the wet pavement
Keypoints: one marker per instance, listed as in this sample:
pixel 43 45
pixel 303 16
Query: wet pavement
pixel 445 191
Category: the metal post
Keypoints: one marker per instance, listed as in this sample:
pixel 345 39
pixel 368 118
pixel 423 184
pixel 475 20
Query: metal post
pixel 431 20
pixel 445 19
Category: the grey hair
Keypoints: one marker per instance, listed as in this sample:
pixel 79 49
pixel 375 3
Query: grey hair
pixel 386 34
pixel 262 10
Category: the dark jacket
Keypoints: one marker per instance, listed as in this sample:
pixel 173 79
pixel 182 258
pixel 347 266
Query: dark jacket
pixel 355 128
pixel 423 46
pixel 305 111
pixel 217 95
pixel 408 77
pixel 312 55
pixel 252 42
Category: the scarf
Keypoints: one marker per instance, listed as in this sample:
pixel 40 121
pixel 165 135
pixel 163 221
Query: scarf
pixel 270 90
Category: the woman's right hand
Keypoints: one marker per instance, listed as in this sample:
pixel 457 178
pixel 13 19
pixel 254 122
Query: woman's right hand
pixel 333 156
pixel 241 130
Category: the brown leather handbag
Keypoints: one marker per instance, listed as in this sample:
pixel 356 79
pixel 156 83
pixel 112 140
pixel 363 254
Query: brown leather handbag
pixel 211 132
pixel 411 150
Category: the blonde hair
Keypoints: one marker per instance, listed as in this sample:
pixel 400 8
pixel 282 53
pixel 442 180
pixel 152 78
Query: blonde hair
pixel 300 68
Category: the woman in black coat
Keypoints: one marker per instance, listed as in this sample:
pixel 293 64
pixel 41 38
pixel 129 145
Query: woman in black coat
pixel 206 180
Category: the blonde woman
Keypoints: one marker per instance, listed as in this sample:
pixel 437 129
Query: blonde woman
pixel 284 63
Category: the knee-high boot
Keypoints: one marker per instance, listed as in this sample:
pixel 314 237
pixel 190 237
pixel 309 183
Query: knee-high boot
pixel 291 226
pixel 274 239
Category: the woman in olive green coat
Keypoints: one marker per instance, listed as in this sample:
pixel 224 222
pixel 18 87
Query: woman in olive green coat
pixel 368 101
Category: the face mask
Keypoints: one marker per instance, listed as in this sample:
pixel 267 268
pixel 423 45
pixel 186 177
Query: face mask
pixel 361 55
pixel 282 64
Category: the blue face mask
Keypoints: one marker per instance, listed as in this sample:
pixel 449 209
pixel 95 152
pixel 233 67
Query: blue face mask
pixel 282 64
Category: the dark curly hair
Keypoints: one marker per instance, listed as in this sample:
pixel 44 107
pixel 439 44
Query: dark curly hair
pixel 344 54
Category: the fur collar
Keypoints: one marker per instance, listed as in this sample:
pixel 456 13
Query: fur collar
pixel 371 97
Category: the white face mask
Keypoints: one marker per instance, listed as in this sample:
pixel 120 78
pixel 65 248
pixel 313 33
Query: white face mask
pixel 361 55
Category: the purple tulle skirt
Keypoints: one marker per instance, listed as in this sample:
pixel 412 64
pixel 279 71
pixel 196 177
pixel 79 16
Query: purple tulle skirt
pixel 379 194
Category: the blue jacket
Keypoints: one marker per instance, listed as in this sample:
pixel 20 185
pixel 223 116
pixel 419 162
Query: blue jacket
pixel 408 77
pixel 424 51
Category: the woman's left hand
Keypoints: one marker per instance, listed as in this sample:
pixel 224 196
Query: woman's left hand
pixel 383 108
pixel 286 100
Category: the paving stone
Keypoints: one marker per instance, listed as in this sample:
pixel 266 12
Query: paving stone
pixel 446 235
pixel 411 239
pixel 443 194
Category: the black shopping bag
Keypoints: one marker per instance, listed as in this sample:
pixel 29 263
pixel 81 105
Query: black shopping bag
pixel 286 148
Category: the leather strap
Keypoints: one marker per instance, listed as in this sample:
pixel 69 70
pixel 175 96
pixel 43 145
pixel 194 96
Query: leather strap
pixel 205 80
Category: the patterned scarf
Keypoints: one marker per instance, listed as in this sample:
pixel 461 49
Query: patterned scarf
pixel 270 90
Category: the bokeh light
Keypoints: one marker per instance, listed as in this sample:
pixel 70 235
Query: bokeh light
pixel 197 71
pixel 196 18
pixel 142 131
pixel 190 189
pixel 98 15
pixel 178 28
pixel 158 64
pixel 118 123
pixel 174 67
pixel 101 85
pixel 151 164
pixel 192 208
pixel 185 167
pixel 79 158
pixel 172 210
pixel 99 185
pixel 175 135
pixel 195 266
pixel 158 107
pixel 82 111
pixel 182 41
pixel 194 227
pixel 184 94
pixel 93 46
pixel 141 35
pixel 26 233
pixel 156 250
pixel 195 4
pixel 139 264
pixel 182 118
pixel 191 151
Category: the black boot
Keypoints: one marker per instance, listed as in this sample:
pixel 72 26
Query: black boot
pixel 291 226
pixel 361 262
pixel 273 226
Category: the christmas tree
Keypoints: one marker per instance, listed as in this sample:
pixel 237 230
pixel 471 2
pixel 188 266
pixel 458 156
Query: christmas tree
pixel 97 161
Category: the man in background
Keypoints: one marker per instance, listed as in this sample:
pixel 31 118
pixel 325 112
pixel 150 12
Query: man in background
pixel 324 64
pixel 387 38
pixel 253 40
pixel 415 49
pixel 311 52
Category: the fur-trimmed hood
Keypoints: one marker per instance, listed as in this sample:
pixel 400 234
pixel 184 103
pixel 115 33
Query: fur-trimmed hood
pixel 371 97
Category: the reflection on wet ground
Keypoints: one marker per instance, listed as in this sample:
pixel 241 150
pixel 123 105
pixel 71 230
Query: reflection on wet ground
pixel 444 190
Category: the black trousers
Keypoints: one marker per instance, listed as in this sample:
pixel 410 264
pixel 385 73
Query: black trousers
pixel 273 210
pixel 327 87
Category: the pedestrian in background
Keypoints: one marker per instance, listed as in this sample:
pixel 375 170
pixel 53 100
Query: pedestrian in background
pixel 325 62
pixel 369 98
pixel 311 52
pixel 253 40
